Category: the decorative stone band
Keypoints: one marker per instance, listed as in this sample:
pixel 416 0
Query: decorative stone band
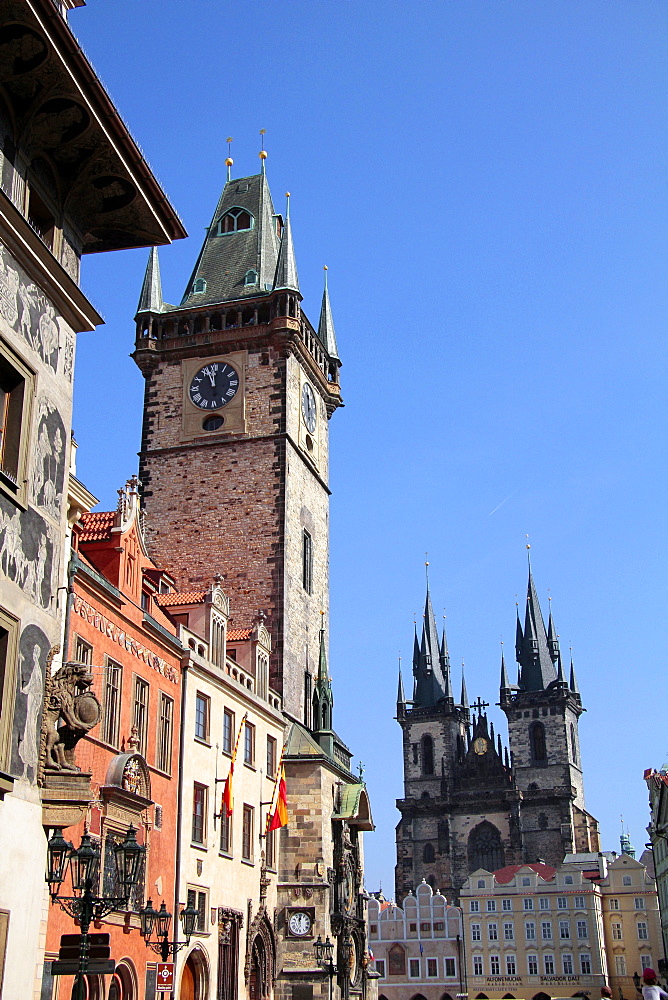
pixel 113 632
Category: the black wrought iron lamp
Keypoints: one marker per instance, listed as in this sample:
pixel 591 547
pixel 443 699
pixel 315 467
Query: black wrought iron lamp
pixel 324 954
pixel 86 904
pixel 159 921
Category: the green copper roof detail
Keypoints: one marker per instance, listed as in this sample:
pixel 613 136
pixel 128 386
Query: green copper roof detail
pixel 150 298
pixel 354 806
pixel 326 332
pixel 286 266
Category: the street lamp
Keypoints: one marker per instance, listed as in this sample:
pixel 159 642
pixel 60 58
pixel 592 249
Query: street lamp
pixel 324 951
pixel 159 920
pixel 86 904
pixel 636 981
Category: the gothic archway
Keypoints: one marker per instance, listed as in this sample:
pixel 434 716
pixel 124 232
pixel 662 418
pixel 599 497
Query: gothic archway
pixel 485 849
pixel 260 958
pixel 195 976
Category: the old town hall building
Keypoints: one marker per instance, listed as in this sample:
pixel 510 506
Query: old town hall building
pixel 470 804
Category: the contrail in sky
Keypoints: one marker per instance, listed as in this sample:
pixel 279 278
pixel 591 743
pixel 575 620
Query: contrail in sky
pixel 510 495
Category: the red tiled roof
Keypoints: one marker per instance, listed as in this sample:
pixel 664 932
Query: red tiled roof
pixel 175 600
pixel 235 634
pixel 507 874
pixel 96 527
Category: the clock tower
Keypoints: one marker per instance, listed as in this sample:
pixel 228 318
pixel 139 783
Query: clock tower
pixel 240 387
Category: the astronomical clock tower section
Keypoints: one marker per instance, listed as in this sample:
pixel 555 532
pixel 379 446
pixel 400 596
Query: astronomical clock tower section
pixel 234 455
pixel 239 390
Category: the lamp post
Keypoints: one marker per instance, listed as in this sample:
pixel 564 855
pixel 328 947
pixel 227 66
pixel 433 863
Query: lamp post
pixel 86 905
pixel 324 951
pixel 159 920
pixel 636 981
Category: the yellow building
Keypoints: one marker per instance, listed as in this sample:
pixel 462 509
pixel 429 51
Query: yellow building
pixel 632 926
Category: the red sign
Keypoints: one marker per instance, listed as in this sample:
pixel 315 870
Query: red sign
pixel 165 977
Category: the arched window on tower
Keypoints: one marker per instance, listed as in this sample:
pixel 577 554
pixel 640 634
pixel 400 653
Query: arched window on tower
pixel 574 745
pixel 250 278
pixel 485 849
pixel 234 221
pixel 200 285
pixel 428 854
pixel 427 754
pixel 537 741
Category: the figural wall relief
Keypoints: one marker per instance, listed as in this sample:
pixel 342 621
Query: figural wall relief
pixel 48 460
pixel 29 553
pixel 33 657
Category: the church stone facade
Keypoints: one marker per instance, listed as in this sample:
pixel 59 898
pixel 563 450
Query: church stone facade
pixel 468 802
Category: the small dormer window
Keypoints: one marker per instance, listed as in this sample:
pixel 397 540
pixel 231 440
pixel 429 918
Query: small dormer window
pixel 250 278
pixel 200 285
pixel 234 221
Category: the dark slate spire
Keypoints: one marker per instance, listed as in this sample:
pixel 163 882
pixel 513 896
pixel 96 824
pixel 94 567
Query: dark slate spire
pixel 445 665
pixel 552 638
pixel 240 250
pixel 150 299
pixel 464 700
pixel 286 268
pixel 505 685
pixel 401 699
pixel 430 682
pixel 536 667
pixel 323 699
pixel 573 684
pixel 326 333
pixel 560 672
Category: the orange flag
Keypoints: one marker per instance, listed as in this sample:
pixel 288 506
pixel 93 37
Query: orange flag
pixel 279 817
pixel 228 795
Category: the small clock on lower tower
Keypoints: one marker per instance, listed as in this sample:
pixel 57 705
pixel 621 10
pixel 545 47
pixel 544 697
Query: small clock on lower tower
pixel 299 922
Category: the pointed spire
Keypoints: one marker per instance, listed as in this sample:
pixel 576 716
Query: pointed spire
pixel 560 671
pixel 286 267
pixel 535 659
pixel 464 700
pixel 573 684
pixel 322 660
pixel 401 699
pixel 552 637
pixel 445 664
pixel 430 680
pixel 499 748
pixel 150 298
pixel 505 686
pixel 323 698
pixel 326 333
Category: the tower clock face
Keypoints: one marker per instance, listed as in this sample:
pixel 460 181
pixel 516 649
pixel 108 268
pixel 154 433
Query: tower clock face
pixel 308 407
pixel 300 923
pixel 214 385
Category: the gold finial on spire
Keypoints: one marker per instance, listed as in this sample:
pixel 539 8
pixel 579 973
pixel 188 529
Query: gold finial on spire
pixel 229 161
pixel 262 154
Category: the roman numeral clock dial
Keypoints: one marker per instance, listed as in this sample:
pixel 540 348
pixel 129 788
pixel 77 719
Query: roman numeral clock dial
pixel 213 386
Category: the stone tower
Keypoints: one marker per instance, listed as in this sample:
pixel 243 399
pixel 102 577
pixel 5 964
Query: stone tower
pixel 239 390
pixel 543 710
pixel 467 803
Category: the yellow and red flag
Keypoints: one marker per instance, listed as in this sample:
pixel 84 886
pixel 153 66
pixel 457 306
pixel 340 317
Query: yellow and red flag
pixel 279 817
pixel 228 794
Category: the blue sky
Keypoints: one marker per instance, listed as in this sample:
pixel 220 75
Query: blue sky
pixel 486 182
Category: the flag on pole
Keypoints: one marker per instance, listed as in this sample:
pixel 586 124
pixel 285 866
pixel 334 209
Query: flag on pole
pixel 228 794
pixel 278 817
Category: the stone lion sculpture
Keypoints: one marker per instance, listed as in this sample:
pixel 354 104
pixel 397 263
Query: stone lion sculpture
pixel 70 711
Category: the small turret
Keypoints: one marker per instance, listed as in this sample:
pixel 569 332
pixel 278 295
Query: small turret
pixel 401 700
pixel 286 266
pixel 150 298
pixel 326 333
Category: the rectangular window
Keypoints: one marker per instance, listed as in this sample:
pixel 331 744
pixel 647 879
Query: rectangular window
pixel 579 902
pixel 506 904
pixel 585 965
pixel 199 813
pixel 562 903
pixel 532 965
pixel 83 651
pixel 548 964
pixel 493 932
pixel 477 965
pixel 642 931
pixel 425 927
pixel 141 713
pixel 528 904
pixel 165 734
pixel 567 962
pixel 645 961
pixel 228 731
pixel 475 906
pixel 626 880
pixel 564 930
pixel 380 967
pixel 439 925
pixel 491 906
pixel 546 930
pixel 617 932
pixel 510 965
pixel 113 673
pixel 17 390
pixel 247 833
pixel 450 970
pixel 249 743
pixel 544 903
pixel 568 880
pixel 508 932
pixel 198 900
pixel 432 968
pixel 414 968
pixel 307 562
pixel 475 932
pixel 225 832
pixel 270 849
pixel 202 711
pixel 583 930
pixel 639 903
pixel 620 965
pixel 494 965
pixel 271 757
pixel 530 930
pixel 614 904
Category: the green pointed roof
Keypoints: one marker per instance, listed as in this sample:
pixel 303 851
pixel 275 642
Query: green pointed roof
pixel 227 258
pixel 326 332
pixel 150 297
pixel 286 267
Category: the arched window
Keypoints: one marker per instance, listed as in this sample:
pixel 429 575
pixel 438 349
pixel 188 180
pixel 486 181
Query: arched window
pixel 200 285
pixel 250 278
pixel 574 746
pixel 427 754
pixel 485 849
pixel 396 958
pixel 235 220
pixel 428 854
pixel 537 740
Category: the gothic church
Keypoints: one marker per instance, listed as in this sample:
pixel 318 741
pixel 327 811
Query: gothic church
pixel 470 804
